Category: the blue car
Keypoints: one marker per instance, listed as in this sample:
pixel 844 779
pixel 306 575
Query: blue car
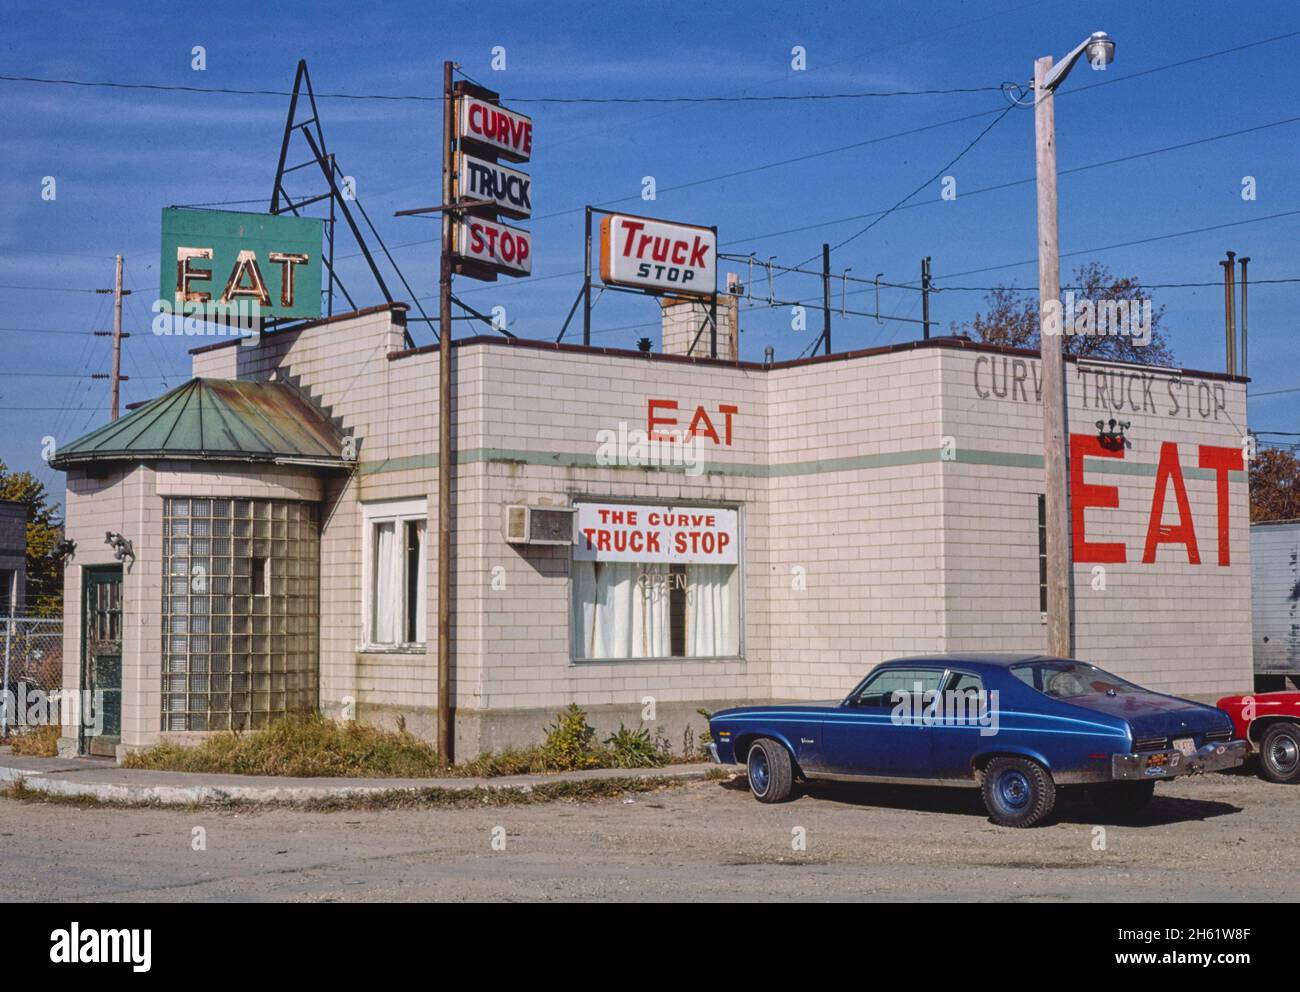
pixel 1014 726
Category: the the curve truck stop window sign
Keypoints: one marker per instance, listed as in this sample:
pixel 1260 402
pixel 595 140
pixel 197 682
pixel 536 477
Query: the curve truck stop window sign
pixel 681 535
pixel 658 256
pixel 221 262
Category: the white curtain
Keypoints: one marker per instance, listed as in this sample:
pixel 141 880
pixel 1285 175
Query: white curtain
pixel 386 618
pixel 712 626
pixel 421 584
pixel 649 615
pixel 615 615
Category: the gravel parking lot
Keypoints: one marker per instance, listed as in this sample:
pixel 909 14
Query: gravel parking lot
pixel 1221 837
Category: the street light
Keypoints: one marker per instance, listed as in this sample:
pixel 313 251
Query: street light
pixel 1099 48
pixel 1048 75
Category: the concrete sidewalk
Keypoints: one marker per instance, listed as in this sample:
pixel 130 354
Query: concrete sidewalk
pixel 103 781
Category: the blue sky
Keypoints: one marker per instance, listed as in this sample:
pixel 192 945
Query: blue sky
pixel 120 156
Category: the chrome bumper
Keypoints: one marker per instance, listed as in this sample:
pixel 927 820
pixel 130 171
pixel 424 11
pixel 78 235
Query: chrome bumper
pixel 1168 764
pixel 713 753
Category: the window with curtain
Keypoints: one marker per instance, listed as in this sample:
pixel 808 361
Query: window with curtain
pixel 396 573
pixel 655 610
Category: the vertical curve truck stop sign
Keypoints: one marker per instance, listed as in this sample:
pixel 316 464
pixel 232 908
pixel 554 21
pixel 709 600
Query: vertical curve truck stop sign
pixel 222 262
pixel 485 133
pixel 658 256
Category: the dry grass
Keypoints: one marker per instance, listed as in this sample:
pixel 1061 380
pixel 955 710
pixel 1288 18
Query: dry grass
pixel 314 747
pixel 304 747
pixel 39 742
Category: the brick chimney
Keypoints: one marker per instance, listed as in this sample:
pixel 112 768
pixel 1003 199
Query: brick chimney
pixel 682 320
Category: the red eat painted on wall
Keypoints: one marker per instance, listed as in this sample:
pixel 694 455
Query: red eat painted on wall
pixel 662 423
pixel 1179 529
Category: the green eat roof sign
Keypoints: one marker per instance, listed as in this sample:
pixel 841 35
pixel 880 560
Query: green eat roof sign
pixel 220 262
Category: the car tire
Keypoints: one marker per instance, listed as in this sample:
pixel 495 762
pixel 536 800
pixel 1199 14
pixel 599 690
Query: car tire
pixel 1279 753
pixel 771 776
pixel 1122 798
pixel 1017 792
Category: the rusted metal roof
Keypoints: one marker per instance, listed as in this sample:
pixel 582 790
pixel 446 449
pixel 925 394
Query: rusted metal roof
pixel 217 420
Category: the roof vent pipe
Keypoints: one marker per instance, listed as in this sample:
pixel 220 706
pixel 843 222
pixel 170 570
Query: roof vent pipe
pixel 1229 312
pixel 1244 259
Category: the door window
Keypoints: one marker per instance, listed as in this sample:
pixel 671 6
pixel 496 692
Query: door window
pixel 888 688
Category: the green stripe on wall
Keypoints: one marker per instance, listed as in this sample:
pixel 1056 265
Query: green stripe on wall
pixel 821 466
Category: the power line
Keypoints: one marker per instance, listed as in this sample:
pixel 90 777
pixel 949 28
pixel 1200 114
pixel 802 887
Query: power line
pixel 428 98
pixel 753 99
pixel 1021 182
pixel 971 144
pixel 39 330
pixel 1145 285
pixel 740 172
pixel 860 144
pixel 1080 251
pixel 1130 244
pixel 1183 62
pixel 68 375
pixel 852 217
pixel 39 409
pixel 423 98
pixel 53 289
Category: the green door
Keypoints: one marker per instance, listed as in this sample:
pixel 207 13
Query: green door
pixel 101 658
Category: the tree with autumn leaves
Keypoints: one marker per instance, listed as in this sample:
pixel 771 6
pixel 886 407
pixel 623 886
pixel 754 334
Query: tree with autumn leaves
pixel 44 532
pixel 1011 318
pixel 1274 485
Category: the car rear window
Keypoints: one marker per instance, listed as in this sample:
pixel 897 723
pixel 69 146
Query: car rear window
pixel 1070 679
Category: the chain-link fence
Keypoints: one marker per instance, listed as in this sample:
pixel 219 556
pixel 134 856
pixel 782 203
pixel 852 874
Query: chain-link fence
pixel 32 660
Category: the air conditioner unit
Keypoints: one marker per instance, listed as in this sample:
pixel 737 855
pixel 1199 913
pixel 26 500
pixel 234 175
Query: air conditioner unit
pixel 539 525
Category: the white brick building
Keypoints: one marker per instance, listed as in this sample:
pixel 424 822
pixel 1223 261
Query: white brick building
pixel 886 502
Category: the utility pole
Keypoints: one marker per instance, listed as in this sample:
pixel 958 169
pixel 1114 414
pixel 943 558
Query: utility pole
pixel 117 339
pixel 1059 571
pixel 115 377
pixel 586 286
pixel 925 297
pixel 1100 50
pixel 446 458
pixel 826 296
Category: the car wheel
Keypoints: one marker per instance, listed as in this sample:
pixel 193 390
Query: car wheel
pixel 1122 798
pixel 1018 792
pixel 771 777
pixel 1279 753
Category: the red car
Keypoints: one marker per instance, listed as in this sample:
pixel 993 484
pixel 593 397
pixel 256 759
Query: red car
pixel 1270 721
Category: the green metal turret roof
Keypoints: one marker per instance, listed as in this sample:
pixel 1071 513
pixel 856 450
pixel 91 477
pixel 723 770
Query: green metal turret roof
pixel 216 420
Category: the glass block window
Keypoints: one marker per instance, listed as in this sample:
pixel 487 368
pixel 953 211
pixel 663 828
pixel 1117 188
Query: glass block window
pixel 240 612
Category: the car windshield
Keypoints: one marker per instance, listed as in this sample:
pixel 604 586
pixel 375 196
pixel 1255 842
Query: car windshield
pixel 1067 679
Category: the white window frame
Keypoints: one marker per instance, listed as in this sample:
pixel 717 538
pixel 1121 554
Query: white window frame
pixel 399 513
pixel 741 618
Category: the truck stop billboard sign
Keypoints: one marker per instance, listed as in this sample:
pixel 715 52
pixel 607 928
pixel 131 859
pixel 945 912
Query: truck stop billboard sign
pixel 658 256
